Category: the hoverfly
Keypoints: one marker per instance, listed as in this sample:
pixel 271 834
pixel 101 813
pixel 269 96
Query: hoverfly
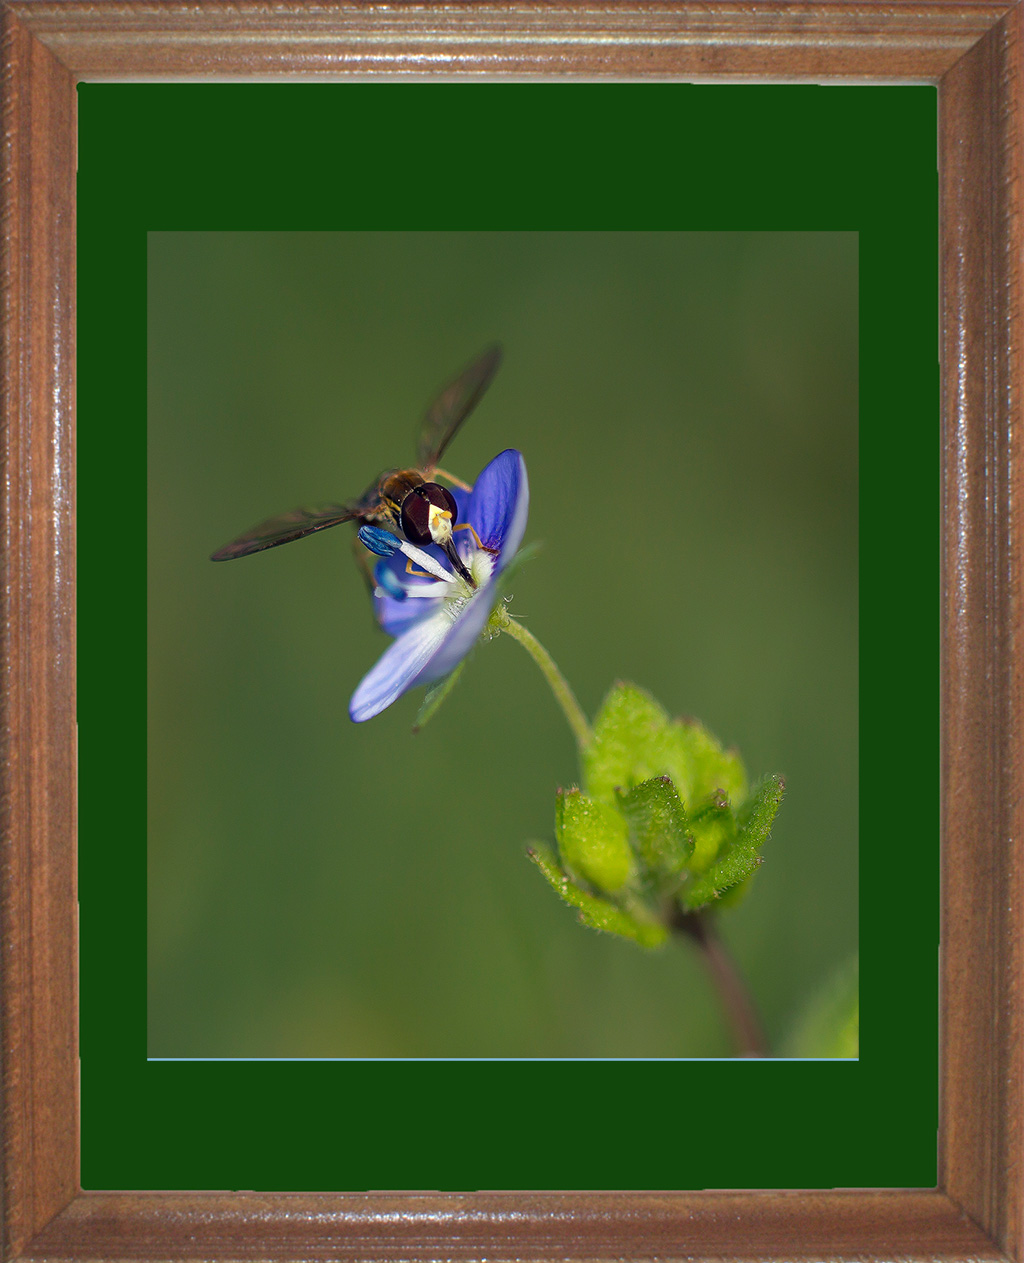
pixel 404 501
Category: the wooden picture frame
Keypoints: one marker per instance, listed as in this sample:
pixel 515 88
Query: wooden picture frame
pixel 974 51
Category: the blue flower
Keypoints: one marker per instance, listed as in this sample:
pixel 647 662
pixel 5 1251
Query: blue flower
pixel 435 616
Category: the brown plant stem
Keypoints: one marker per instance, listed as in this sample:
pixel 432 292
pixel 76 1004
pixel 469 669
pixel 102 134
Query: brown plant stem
pixel 748 1032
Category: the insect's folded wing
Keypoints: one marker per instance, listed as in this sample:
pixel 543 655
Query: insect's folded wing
pixel 453 405
pixel 285 527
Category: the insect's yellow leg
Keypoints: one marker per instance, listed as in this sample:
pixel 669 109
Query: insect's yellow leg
pixel 468 526
pixel 456 482
pixel 420 574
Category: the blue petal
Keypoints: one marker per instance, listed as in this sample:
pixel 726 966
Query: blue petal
pixel 397 616
pixel 426 651
pixel 464 543
pixel 462 635
pixel 398 667
pixel 389 582
pixel 462 499
pixel 500 504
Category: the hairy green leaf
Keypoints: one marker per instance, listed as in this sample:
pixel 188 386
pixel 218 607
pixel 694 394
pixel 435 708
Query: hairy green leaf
pixel 757 813
pixel 722 876
pixel 658 824
pixel 599 914
pixel 728 846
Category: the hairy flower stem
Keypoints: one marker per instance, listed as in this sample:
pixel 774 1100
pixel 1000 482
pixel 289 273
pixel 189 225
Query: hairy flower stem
pixel 559 685
pixel 732 990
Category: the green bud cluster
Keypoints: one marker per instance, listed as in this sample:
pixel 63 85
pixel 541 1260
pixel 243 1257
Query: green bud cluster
pixel 664 826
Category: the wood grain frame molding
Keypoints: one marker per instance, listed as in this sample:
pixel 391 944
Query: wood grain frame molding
pixel 973 51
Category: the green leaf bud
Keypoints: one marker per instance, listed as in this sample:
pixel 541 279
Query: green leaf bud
pixel 593 840
pixel 737 859
pixel 714 830
pixel 659 825
pixel 711 768
pixel 634 740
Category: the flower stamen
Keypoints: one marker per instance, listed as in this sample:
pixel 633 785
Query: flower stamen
pixel 384 544
pixel 426 561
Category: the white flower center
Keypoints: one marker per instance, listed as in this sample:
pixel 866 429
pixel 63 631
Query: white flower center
pixel 458 595
pixel 454 591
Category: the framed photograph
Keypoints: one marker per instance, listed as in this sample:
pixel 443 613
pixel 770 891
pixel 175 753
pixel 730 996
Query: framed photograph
pixel 208 1110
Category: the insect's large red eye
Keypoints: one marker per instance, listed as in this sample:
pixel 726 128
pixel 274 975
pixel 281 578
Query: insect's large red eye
pixel 420 509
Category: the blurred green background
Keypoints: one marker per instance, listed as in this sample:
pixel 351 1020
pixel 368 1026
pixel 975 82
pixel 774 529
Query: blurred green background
pixel 687 407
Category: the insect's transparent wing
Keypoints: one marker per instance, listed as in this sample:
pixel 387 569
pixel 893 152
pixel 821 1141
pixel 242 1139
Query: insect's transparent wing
pixel 285 527
pixel 452 406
